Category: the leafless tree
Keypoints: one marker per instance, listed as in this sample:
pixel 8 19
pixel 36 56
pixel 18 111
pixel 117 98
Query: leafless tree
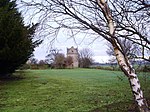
pixel 51 57
pixel 68 62
pixel 110 20
pixel 129 48
pixel 132 18
pixel 59 61
pixel 42 62
pixel 85 58
pixel 55 58
pixel 33 61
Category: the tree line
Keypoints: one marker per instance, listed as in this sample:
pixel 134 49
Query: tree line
pixel 56 59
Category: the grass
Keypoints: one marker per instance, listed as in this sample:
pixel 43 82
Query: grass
pixel 68 90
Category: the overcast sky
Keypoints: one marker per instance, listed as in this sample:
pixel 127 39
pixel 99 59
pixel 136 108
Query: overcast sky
pixel 98 47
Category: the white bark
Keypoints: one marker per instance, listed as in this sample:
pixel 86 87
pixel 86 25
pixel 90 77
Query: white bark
pixel 123 61
pixel 138 94
pixel 134 81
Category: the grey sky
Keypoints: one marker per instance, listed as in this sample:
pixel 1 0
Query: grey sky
pixel 98 47
pixel 64 41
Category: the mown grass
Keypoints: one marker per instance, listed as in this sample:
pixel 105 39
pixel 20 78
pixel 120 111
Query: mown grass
pixel 68 90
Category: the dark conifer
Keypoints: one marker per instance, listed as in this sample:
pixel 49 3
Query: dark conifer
pixel 16 39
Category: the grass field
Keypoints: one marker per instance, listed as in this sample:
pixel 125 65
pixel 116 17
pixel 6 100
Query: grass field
pixel 68 90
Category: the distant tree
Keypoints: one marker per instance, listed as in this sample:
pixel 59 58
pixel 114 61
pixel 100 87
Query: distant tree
pixel 51 57
pixel 129 48
pixel 59 61
pixel 48 61
pixel 69 62
pixel 85 58
pixel 33 61
pixel 55 58
pixel 113 63
pixel 16 39
pixel 42 62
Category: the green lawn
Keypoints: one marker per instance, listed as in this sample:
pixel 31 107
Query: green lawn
pixel 69 90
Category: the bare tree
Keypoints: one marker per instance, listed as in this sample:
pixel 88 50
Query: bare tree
pixel 68 62
pixel 109 20
pixel 85 58
pixel 51 57
pixel 59 61
pixel 129 48
pixel 42 62
pixel 55 58
pixel 132 18
pixel 33 61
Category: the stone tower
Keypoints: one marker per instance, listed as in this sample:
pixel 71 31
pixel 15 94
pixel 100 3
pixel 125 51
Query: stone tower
pixel 73 52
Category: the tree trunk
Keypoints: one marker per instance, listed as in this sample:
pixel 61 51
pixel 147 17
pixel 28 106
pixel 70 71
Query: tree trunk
pixel 128 70
pixel 122 59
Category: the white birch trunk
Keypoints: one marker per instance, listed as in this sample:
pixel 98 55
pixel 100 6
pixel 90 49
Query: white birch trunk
pixel 123 62
pixel 126 67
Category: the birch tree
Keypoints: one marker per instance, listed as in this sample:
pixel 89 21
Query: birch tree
pixel 110 20
pixel 133 20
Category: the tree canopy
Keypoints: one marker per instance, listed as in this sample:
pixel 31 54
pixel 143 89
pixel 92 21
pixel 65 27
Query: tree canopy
pixel 16 39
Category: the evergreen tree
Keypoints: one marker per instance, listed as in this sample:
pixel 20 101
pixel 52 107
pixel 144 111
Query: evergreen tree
pixel 16 39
